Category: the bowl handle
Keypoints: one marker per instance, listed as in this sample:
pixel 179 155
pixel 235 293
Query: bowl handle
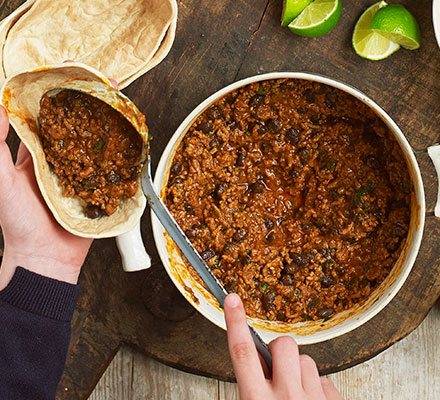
pixel 434 153
pixel 133 254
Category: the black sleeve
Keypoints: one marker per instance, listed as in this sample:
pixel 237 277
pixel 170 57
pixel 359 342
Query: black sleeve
pixel 35 314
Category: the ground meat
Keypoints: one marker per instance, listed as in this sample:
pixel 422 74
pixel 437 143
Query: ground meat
pixel 93 149
pixel 312 219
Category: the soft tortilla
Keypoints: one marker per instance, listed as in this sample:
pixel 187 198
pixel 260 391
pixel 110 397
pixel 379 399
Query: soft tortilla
pixel 21 95
pixel 117 39
pixel 161 53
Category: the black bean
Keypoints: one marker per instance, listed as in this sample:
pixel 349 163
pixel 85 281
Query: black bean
pixel 297 259
pixel 214 143
pixel 270 237
pixel 268 223
pixel 293 173
pixel 274 125
pixel 256 100
pixel 207 254
pixel 327 281
pixel 93 211
pixel 245 259
pixel 135 175
pixel 306 226
pixel 315 118
pixel 257 187
pixel 188 208
pixel 261 128
pixel 302 110
pixel 230 99
pixel 331 97
pixel 218 191
pixel 239 235
pixel 281 316
pixel 205 127
pixel 292 136
pixel 285 86
pixel 291 268
pixel 326 312
pixel 241 159
pixel 399 230
pixel 369 135
pixel 287 279
pixel 214 113
pixel 196 226
pixel 176 168
pixel 372 162
pixel 112 177
pixel 266 148
pixel 178 181
pixel 190 234
pixel 268 299
pixel 309 95
pixel 304 155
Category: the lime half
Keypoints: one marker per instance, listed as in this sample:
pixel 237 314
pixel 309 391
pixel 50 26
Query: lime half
pixel 317 19
pixel 291 9
pixel 396 23
pixel 370 44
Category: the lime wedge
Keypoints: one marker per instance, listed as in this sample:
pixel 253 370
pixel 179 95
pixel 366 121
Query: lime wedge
pixel 370 44
pixel 317 19
pixel 291 9
pixel 396 23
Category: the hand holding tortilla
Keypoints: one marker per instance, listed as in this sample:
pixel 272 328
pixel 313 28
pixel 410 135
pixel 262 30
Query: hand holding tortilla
pixel 32 236
pixel 87 177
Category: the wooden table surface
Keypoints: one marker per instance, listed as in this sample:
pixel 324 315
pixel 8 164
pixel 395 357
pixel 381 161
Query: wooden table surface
pixel 409 370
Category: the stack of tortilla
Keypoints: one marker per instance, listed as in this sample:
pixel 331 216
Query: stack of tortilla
pixel 123 39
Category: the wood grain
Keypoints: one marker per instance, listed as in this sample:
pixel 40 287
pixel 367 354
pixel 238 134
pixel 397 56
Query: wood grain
pixel 216 44
pixel 408 370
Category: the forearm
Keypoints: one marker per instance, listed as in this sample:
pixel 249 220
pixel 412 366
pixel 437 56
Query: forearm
pixel 43 265
pixel 35 314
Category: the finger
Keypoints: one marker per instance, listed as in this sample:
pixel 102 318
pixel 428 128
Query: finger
pixel 114 83
pixel 6 162
pixel 286 366
pixel 310 376
pixel 23 155
pixel 330 392
pixel 244 356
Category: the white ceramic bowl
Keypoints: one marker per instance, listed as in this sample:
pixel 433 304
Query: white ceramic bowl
pixel 311 331
pixel 436 19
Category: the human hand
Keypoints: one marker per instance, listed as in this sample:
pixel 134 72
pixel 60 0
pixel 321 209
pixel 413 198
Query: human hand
pixel 294 376
pixel 33 239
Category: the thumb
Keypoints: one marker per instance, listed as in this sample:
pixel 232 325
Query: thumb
pixel 6 162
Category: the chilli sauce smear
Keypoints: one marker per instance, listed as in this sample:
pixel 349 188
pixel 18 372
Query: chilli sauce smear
pixel 295 194
pixel 94 150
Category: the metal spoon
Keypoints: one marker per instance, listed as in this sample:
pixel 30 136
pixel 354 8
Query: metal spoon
pixel 191 254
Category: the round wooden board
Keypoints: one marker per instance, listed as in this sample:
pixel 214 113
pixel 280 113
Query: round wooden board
pixel 216 45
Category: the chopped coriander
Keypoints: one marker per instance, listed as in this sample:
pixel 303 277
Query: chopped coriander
pixel 261 90
pixel 217 262
pixel 316 301
pixel 135 115
pixel 247 133
pixel 330 166
pixel 117 94
pixel 306 317
pixel 363 191
pixel 98 146
pixel 240 209
pixel 273 293
pixel 264 286
pixel 248 252
pixel 204 226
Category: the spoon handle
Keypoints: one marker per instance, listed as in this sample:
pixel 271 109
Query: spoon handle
pixel 193 257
